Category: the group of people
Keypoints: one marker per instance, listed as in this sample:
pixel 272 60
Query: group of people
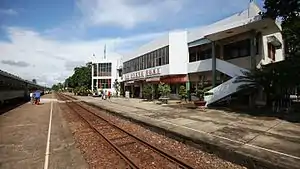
pixel 105 94
pixel 35 97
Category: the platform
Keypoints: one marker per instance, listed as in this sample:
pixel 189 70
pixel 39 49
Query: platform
pixel 269 142
pixel 24 135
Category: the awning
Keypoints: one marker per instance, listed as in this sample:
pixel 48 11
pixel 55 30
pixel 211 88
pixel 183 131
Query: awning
pixel 175 79
pixel 274 41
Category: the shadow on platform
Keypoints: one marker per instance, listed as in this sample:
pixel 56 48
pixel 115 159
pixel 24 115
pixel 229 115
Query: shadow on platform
pixel 11 104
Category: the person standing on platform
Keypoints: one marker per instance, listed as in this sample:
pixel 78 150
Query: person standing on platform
pixel 31 97
pixel 109 94
pixel 104 94
pixel 37 96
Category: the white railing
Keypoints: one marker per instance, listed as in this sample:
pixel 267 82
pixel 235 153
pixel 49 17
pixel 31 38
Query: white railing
pixel 229 68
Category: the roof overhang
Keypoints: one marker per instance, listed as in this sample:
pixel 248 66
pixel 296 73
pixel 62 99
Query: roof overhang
pixel 274 41
pixel 198 42
pixel 265 26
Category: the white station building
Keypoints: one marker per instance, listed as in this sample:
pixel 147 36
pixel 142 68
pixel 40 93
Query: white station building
pixel 105 71
pixel 215 54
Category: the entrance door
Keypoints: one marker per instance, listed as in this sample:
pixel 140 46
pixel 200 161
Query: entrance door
pixel 136 91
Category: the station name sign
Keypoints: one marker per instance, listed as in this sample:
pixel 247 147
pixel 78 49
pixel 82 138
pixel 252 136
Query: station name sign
pixel 142 74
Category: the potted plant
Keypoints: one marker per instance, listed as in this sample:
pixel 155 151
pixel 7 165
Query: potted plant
pixel 148 91
pixel 164 90
pixel 182 93
pixel 200 94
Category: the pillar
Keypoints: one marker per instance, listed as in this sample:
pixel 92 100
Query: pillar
pixel 188 89
pixel 92 87
pixel 253 50
pixel 141 90
pixel 214 64
pixel 97 71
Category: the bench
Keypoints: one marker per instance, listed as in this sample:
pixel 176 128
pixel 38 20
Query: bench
pixel 164 100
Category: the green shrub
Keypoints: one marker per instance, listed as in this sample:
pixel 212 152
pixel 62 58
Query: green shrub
pixel 148 91
pixel 164 89
pixel 82 91
pixel 182 92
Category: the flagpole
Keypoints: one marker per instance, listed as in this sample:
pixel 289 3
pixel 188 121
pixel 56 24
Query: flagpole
pixel 105 51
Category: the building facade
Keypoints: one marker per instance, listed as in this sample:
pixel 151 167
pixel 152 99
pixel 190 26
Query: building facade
pixel 212 55
pixel 104 74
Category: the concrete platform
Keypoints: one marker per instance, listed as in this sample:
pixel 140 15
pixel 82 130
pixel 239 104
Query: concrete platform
pixel 252 141
pixel 24 134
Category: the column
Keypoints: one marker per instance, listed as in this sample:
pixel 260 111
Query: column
pixel 214 64
pixel 132 91
pixel 97 71
pixel 97 84
pixel 188 89
pixel 253 50
pixel 141 90
pixel 92 87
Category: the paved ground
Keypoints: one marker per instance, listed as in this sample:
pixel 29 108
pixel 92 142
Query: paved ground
pixel 272 141
pixel 23 138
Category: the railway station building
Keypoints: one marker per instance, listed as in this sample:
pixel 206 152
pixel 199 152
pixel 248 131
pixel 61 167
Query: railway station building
pixel 215 55
pixel 105 71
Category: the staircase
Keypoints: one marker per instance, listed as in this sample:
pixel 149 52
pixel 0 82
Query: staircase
pixel 229 87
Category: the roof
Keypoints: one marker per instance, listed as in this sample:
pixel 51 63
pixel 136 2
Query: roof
pixel 9 75
pixel 198 33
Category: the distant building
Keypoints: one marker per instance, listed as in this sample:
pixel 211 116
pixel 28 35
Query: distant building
pixel 214 55
pixel 105 72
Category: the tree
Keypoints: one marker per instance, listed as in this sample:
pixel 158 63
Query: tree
pixel 164 89
pixel 182 92
pixel 55 87
pixel 289 12
pixel 148 91
pixel 116 86
pixel 34 81
pixel 81 77
pixel 277 80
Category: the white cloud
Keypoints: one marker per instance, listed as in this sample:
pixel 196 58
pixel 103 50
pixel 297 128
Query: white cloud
pixel 50 61
pixel 8 12
pixel 127 13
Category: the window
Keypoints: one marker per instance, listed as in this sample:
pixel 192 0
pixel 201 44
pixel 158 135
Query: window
pixel 155 58
pixel 271 51
pixel 120 72
pixel 104 83
pixel 104 69
pixel 167 55
pixel 237 49
pixel 95 83
pixel 193 56
pixel 200 53
pixel 205 54
pixel 95 69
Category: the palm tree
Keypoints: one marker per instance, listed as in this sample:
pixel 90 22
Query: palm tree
pixel 276 80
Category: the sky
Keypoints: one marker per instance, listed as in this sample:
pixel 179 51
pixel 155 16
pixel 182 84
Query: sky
pixel 46 40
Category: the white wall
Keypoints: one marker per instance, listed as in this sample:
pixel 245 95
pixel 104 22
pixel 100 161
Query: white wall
pixel 200 66
pixel 114 73
pixel 178 53
pixel 279 56
pixel 279 52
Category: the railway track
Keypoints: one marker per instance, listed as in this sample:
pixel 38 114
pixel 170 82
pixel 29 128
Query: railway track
pixel 136 152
